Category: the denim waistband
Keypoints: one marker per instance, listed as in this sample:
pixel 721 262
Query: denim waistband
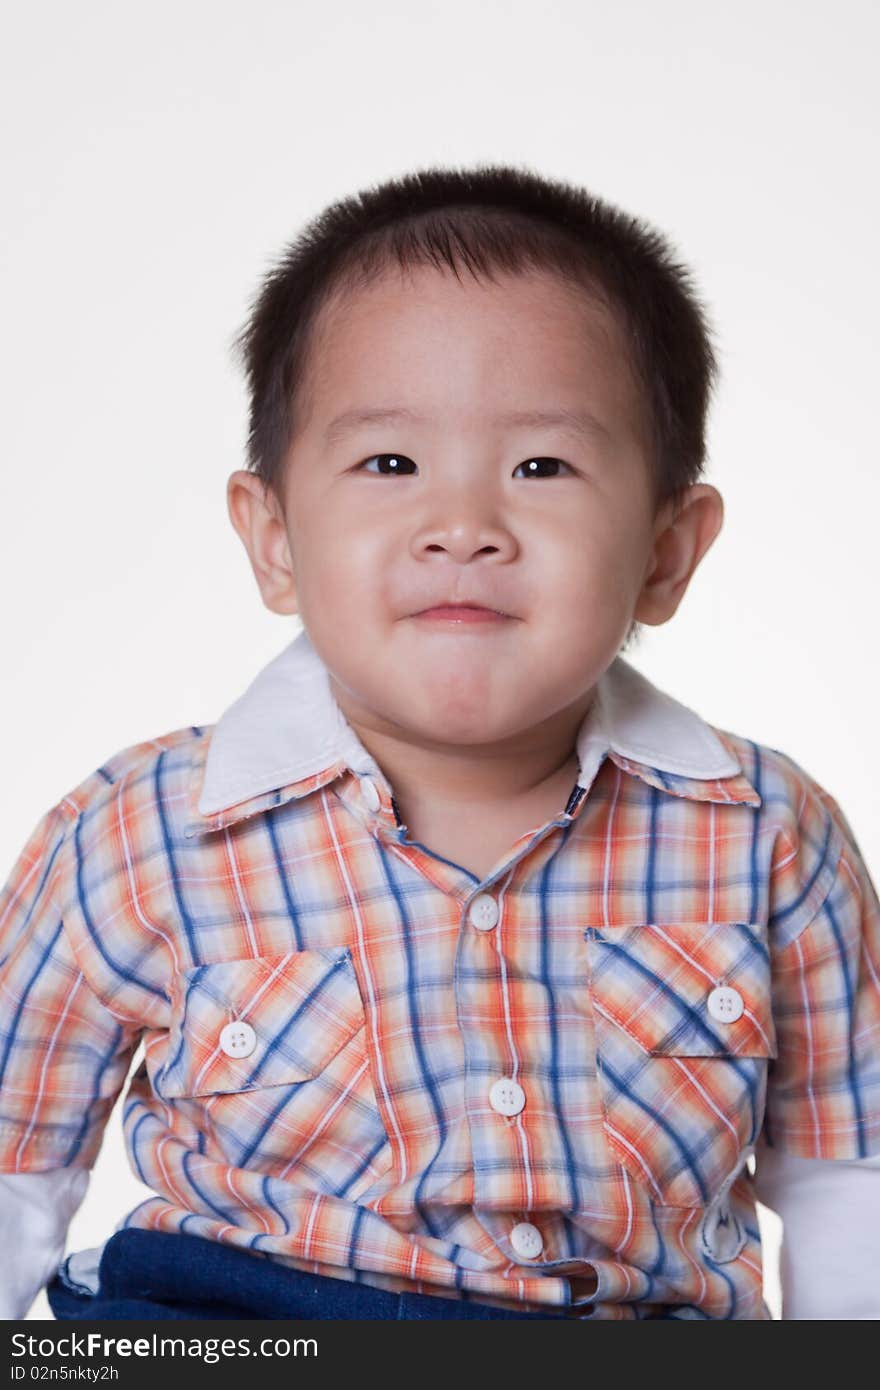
pixel 158 1274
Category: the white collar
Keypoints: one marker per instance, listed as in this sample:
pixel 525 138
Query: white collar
pixel 286 728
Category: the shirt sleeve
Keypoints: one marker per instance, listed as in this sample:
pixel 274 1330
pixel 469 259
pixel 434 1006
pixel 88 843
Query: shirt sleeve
pixel 817 1159
pixel 64 1054
pixel 823 1088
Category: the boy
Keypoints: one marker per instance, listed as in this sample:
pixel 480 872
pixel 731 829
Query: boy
pixel 472 970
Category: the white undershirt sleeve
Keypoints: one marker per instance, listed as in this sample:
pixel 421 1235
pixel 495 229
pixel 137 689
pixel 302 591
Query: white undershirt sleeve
pixel 830 1213
pixel 35 1212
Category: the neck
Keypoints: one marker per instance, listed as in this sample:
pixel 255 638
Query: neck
pixel 531 766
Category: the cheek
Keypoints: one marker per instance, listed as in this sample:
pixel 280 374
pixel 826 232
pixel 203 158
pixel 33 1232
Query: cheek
pixel 338 583
pixel 599 564
pixel 614 551
pixel 332 552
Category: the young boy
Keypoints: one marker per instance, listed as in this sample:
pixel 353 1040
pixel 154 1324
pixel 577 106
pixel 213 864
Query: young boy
pixel 472 970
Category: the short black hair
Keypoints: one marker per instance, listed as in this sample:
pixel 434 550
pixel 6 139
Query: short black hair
pixel 485 219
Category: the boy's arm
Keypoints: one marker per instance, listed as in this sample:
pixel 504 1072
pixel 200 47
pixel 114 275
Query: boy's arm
pixel 35 1212
pixel 64 1057
pixel 830 1212
pixel 818 1155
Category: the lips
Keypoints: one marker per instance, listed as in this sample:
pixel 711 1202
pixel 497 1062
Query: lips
pixel 456 607
pixel 462 613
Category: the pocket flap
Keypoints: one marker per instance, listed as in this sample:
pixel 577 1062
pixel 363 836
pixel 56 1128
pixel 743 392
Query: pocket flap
pixel 654 981
pixel 302 1006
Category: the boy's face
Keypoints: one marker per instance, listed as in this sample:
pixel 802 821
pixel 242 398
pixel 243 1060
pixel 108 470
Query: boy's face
pixel 570 550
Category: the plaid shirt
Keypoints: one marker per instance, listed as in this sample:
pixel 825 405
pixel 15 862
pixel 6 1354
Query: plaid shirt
pixel 363 1061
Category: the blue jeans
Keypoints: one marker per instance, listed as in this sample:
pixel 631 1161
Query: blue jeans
pixel 155 1274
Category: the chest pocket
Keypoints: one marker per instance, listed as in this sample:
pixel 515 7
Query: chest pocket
pixel 268 1056
pixel 297 1011
pixel 684 1033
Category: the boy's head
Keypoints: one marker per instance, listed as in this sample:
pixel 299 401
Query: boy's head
pixel 470 304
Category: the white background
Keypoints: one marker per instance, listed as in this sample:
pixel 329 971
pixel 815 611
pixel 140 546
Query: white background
pixel 155 161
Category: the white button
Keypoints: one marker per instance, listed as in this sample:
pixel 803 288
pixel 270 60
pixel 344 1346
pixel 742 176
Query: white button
pixel 725 1003
pixel 507 1096
pixel 483 912
pixel 238 1039
pixel 722 1232
pixel 526 1240
pixel 370 793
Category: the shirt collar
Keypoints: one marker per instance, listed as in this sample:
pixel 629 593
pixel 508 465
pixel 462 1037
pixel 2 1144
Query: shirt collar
pixel 286 736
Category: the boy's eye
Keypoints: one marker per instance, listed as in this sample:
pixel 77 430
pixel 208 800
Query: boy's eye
pixel 534 467
pixel 396 464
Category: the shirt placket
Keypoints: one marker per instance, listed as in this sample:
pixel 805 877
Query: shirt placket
pixel 505 1190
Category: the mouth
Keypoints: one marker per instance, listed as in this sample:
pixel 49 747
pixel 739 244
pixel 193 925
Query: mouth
pixel 462 613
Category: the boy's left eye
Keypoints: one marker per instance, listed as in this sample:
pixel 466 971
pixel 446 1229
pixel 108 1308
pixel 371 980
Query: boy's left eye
pixel 533 467
pixel 396 467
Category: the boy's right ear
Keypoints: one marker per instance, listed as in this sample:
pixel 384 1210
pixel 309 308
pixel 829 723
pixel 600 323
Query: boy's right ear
pixel 258 519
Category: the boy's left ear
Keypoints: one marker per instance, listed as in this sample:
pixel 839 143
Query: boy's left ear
pixel 681 539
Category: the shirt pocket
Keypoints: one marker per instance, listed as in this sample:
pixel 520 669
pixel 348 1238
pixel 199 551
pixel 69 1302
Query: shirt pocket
pixel 298 1010
pixel 267 1058
pixel 684 1033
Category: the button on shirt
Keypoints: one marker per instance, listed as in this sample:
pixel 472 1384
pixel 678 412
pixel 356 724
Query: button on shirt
pixel 544 1087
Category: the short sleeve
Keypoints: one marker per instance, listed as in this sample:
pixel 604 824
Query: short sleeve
pixel 64 1055
pixel 823 1088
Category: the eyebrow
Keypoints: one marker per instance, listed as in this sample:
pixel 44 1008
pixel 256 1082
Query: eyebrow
pixel 577 422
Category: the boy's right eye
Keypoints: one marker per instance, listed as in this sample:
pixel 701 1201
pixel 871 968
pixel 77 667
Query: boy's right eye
pixel 396 465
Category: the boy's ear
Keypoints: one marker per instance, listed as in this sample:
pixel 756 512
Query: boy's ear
pixel 257 517
pixel 681 539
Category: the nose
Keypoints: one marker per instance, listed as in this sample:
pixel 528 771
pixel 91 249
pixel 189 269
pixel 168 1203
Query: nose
pixel 464 540
pixel 463 529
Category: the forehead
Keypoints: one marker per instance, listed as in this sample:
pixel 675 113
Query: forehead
pixel 428 339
